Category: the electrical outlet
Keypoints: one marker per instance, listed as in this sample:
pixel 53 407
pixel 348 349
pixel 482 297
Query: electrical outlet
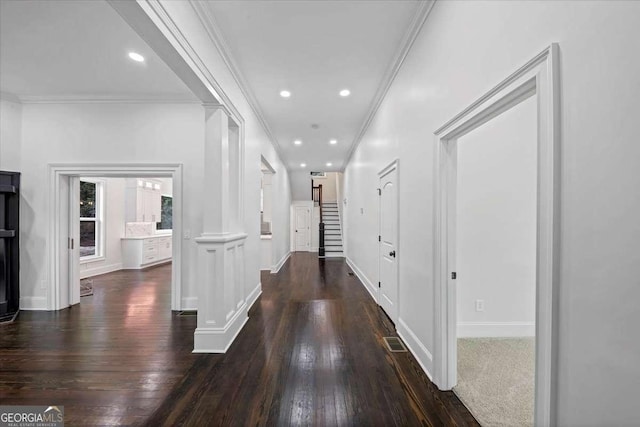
pixel 479 305
pixel 187 234
pixel 43 284
pixel 361 211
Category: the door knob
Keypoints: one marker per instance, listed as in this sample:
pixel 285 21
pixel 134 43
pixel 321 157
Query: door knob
pixel 392 253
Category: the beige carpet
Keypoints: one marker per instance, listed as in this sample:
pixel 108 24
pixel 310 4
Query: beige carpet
pixel 496 379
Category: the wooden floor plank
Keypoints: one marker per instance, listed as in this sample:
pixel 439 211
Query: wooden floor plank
pixel 310 354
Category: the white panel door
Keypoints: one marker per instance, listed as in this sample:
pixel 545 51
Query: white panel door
pixel 302 226
pixel 388 257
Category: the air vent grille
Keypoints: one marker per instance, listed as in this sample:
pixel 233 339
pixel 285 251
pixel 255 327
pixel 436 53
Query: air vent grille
pixel 395 345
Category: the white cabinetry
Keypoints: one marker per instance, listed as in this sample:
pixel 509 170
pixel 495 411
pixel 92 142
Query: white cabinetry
pixel 141 252
pixel 143 200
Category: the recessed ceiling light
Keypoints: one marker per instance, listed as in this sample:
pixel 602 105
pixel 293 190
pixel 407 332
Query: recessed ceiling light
pixel 136 57
pixel 297 142
pixel 285 93
pixel 303 165
pixel 333 141
pixel 345 92
pixel 329 164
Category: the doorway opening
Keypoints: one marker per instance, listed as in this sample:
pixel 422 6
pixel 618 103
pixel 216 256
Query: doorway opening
pixel 495 262
pixel 266 216
pixel 538 82
pixel 118 224
pixel 113 217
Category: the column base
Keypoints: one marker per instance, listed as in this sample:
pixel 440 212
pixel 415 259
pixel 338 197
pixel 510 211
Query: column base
pixel 222 306
pixel 218 340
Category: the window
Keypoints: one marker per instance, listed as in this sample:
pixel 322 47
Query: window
pixel 166 213
pixel 91 201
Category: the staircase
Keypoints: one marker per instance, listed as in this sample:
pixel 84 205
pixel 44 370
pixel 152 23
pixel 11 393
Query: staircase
pixel 332 230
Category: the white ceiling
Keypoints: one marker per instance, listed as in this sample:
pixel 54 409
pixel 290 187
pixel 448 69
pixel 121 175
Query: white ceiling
pixel 78 49
pixel 314 49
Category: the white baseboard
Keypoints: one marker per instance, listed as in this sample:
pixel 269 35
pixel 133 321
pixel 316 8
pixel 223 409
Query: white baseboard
pixel 103 269
pixel 253 296
pixel 415 346
pixel 33 303
pixel 373 291
pixel 496 329
pixel 218 340
pixel 280 263
pixel 189 303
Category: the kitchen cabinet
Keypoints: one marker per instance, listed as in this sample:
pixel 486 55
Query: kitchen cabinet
pixel 142 252
pixel 142 200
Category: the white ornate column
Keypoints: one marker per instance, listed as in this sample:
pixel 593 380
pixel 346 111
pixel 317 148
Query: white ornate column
pixel 222 306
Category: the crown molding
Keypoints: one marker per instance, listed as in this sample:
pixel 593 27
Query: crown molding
pixel 161 18
pixel 208 21
pixel 422 12
pixel 104 99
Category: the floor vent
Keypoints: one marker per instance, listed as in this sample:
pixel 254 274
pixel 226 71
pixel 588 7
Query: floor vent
pixel 188 313
pixel 395 345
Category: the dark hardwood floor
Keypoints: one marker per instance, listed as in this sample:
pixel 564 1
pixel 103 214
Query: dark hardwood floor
pixel 310 354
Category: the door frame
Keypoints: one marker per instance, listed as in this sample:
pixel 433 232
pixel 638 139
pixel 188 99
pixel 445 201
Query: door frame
pixel 59 295
pixel 391 166
pixel 538 78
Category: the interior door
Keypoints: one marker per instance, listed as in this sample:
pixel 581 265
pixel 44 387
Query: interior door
pixel 388 244
pixel 302 226
pixel 74 240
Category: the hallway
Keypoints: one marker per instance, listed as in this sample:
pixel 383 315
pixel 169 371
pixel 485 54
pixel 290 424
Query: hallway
pixel 311 354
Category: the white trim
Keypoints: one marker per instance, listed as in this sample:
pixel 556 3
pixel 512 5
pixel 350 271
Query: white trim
pixel 105 99
pixel 539 78
pixel 215 35
pixel 415 346
pixel 161 18
pixel 59 286
pixel 213 340
pixel 220 238
pixel 189 303
pixel 92 258
pixel 96 271
pixel 33 303
pixel 496 329
pixel 254 295
pixel 276 268
pixel 373 291
pixel 420 16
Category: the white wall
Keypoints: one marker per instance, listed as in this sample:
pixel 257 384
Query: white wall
pixel 465 49
pixel 114 221
pixel 104 133
pixel 329 190
pixel 10 134
pixel 257 144
pixel 496 225
pixel 300 185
